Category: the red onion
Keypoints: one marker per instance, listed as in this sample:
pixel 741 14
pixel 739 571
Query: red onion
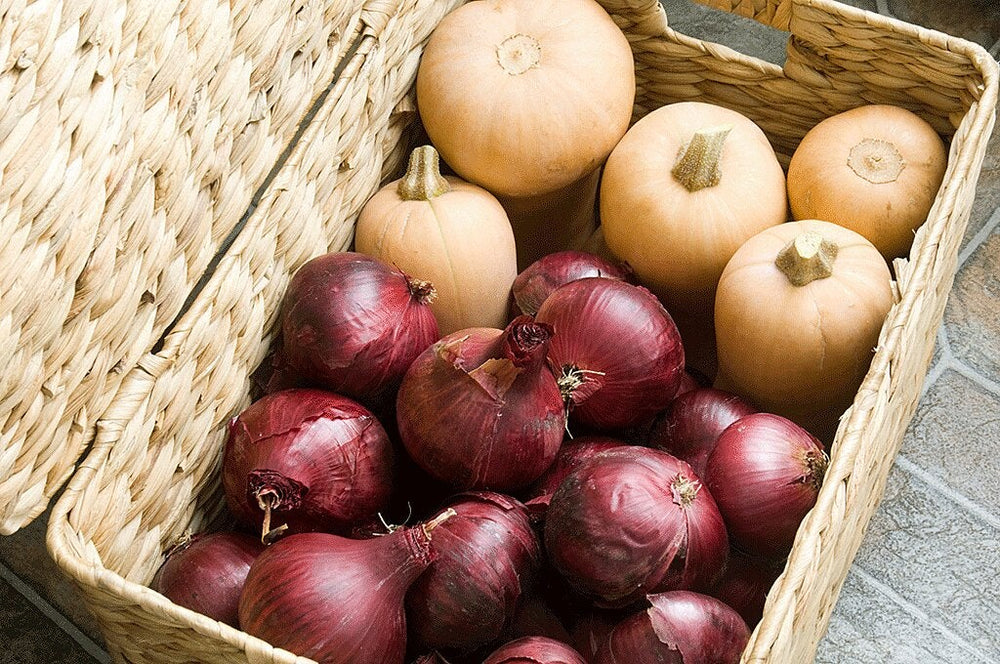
pixel 206 573
pixel 632 521
pixel 679 627
pixel 765 473
pixel 480 408
pixel 745 584
pixel 352 324
pixel 535 650
pixel 487 558
pixel 572 453
pixel 334 599
pixel 616 350
pixel 537 281
pixel 690 425
pixel 534 617
pixel 688 382
pixel 305 460
pixel 592 629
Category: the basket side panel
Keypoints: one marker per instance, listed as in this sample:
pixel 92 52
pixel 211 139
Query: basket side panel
pixel 135 137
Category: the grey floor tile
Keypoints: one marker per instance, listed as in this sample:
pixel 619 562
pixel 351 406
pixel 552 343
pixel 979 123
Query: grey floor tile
pixel 972 315
pixel 937 556
pixel 975 20
pixel 741 34
pixel 29 637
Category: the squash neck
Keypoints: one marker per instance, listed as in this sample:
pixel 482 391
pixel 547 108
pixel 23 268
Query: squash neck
pixel 697 166
pixel 423 180
pixel 808 257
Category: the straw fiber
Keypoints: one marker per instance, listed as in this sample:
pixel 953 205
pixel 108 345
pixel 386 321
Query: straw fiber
pixel 153 472
pixel 132 139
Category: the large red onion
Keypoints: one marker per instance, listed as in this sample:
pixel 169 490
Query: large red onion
pixel 616 351
pixel 307 460
pixel 352 324
pixel 745 584
pixel 679 627
pixel 592 629
pixel 333 599
pixel 765 473
pixel 535 650
pixel 488 557
pixel 206 573
pixel 537 281
pixel 480 408
pixel 690 425
pixel 572 453
pixel 631 521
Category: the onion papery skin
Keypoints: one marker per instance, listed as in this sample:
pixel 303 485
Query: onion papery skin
pixel 480 409
pixel 591 630
pixel 324 458
pixel 679 627
pixel 352 324
pixel 534 617
pixel 691 424
pixel 535 650
pixel 488 558
pixel 765 474
pixel 572 453
pixel 745 584
pixel 537 281
pixel 615 349
pixel 333 599
pixel 631 521
pixel 206 573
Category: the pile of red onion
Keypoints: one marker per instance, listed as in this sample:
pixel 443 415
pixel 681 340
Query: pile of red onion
pixel 558 491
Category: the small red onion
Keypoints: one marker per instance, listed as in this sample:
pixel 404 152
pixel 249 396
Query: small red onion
pixel 679 627
pixel 352 324
pixel 745 584
pixel 572 453
pixel 616 351
pixel 535 650
pixel 306 460
pixel 537 281
pixel 534 617
pixel 333 599
pixel 206 572
pixel 480 408
pixel 488 557
pixel 765 473
pixel 690 425
pixel 632 521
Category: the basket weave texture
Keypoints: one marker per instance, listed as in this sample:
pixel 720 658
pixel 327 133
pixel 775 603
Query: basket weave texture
pixel 133 138
pixel 154 471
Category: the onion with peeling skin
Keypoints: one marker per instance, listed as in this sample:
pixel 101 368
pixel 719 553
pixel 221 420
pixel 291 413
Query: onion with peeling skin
pixel 765 474
pixel 306 460
pixel 616 351
pixel 679 627
pixel 535 650
pixel 572 453
pixel 537 281
pixel 631 521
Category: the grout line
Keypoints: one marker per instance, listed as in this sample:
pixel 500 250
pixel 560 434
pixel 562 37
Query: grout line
pixel 987 384
pixel 53 614
pixel 991 224
pixel 946 491
pixel 919 614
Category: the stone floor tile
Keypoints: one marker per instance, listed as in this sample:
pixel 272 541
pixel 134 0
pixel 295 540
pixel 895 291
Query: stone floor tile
pixel 29 637
pixel 939 558
pixel 956 445
pixel 869 627
pixel 739 33
pixel 24 553
pixel 975 20
pixel 972 315
pixel 987 189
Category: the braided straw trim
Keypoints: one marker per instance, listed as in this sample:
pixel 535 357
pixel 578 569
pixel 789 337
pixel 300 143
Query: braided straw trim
pixel 153 472
pixel 135 136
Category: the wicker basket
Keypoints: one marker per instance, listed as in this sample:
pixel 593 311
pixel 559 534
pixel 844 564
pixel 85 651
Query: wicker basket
pixel 133 138
pixel 153 473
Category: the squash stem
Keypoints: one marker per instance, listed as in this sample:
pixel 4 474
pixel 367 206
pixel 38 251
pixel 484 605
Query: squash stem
pixel 697 165
pixel 423 180
pixel 807 258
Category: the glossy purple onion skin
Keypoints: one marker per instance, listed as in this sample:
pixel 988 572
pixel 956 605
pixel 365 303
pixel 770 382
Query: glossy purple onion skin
pixel 693 421
pixel 535 650
pixel 765 473
pixel 480 408
pixel 352 324
pixel 488 557
pixel 326 455
pixel 624 346
pixel 745 584
pixel 333 599
pixel 207 573
pixel 572 453
pixel 679 627
pixel 537 281
pixel 631 521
